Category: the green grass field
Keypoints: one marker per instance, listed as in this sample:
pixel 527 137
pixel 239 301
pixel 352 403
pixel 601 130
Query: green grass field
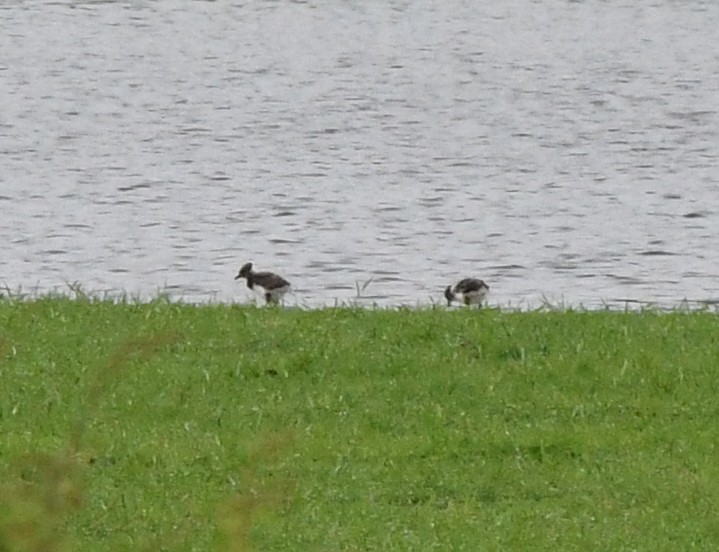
pixel 164 426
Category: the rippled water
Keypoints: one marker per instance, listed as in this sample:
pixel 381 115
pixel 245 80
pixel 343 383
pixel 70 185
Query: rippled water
pixel 565 151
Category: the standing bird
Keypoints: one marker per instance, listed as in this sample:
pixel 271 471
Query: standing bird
pixel 471 291
pixel 270 285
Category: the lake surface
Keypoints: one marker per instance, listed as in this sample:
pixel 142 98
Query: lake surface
pixel 564 151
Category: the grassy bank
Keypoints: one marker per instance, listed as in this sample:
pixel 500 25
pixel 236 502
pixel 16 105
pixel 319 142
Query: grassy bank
pixel 171 427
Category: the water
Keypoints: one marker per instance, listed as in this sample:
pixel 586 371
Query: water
pixel 562 151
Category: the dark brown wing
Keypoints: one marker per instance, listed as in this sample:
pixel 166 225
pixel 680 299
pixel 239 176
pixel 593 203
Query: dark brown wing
pixel 468 285
pixel 269 280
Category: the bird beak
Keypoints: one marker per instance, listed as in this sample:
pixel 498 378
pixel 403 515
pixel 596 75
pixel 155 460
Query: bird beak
pixel 237 277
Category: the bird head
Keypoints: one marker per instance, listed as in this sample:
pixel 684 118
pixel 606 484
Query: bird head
pixel 244 271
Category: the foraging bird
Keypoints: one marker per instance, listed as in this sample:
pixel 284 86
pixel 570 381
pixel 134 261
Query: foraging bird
pixel 471 291
pixel 270 285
